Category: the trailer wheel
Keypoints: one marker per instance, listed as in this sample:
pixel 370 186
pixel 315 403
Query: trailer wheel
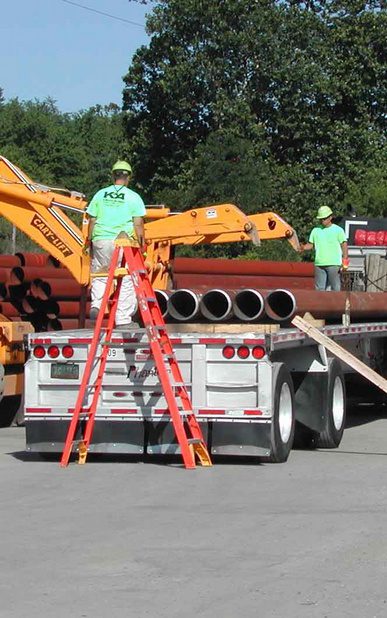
pixel 8 407
pixel 283 422
pixel 332 434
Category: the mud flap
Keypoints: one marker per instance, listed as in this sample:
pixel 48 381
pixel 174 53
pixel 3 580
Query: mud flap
pixel 108 436
pixel 161 439
pixel 240 438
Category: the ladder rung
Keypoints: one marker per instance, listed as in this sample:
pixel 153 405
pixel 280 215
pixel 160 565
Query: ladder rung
pixel 119 272
pixel 158 327
pixel 194 441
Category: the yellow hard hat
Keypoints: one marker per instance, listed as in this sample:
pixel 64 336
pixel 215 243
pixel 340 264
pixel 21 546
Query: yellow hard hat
pixel 324 212
pixel 122 166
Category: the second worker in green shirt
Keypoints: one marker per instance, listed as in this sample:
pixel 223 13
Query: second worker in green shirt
pixel 331 251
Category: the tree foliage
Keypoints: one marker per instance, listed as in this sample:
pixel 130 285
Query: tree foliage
pixel 271 104
pixel 75 151
pixel 302 83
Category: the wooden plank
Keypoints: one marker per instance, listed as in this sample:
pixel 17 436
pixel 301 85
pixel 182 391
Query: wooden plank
pixel 373 273
pixel 308 317
pixel 338 351
pixel 212 328
pixel 382 275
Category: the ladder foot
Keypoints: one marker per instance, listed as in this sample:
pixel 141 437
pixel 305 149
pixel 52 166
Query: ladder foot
pixel 82 450
pixel 199 449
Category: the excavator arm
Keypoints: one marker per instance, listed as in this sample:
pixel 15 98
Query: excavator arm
pixel 38 211
pixel 208 225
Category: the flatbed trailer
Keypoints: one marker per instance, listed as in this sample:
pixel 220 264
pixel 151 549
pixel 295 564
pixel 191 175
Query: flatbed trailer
pixel 254 393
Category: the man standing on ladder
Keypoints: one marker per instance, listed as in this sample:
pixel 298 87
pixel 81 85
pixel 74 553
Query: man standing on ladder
pixel 114 209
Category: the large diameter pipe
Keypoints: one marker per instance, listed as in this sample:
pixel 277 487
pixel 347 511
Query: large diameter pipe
pixel 49 307
pixel 12 276
pixel 183 305
pixel 216 305
pixel 46 273
pixel 16 292
pixel 282 305
pixel 37 259
pixel 9 261
pixel 248 305
pixel 162 297
pixel 58 288
pixel 11 310
pixel 231 281
pixel 242 267
pixel 71 309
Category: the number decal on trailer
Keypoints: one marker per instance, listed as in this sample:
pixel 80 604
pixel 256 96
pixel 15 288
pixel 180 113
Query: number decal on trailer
pixel 112 352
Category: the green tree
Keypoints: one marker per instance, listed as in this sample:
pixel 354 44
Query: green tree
pixel 74 151
pixel 311 75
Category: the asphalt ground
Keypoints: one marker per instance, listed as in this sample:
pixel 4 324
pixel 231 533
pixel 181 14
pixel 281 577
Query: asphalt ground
pixel 136 539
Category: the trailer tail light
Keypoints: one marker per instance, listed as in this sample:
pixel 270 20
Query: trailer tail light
pixel 228 351
pixel 258 352
pixel 243 351
pixel 53 351
pixel 68 351
pixel 39 351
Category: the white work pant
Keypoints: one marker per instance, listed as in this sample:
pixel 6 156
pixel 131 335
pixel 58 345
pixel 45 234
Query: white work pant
pixel 102 252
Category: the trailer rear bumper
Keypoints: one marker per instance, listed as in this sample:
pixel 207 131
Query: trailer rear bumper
pixel 153 437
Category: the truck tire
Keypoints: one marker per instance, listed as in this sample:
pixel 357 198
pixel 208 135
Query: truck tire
pixel 331 436
pixel 283 422
pixel 8 407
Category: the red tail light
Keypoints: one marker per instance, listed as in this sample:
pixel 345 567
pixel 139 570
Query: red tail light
pixel 243 351
pixel 228 351
pixel 68 351
pixel 258 352
pixel 53 351
pixel 39 351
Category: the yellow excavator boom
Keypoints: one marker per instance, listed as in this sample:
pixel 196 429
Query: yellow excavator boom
pixel 39 212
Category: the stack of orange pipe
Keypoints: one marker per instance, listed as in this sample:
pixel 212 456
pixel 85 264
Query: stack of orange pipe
pixel 34 287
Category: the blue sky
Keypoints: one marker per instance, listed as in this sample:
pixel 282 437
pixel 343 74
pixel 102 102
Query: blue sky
pixel 76 56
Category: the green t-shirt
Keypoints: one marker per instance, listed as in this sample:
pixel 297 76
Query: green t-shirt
pixel 327 244
pixel 114 208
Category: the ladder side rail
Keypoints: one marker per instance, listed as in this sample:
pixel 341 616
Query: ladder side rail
pixel 102 360
pixel 87 372
pixel 170 396
pixel 167 349
pixel 143 291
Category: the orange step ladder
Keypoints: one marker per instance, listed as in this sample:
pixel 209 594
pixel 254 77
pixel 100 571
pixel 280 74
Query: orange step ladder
pixel 127 259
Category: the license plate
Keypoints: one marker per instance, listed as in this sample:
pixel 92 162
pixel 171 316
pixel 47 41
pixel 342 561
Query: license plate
pixel 65 371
